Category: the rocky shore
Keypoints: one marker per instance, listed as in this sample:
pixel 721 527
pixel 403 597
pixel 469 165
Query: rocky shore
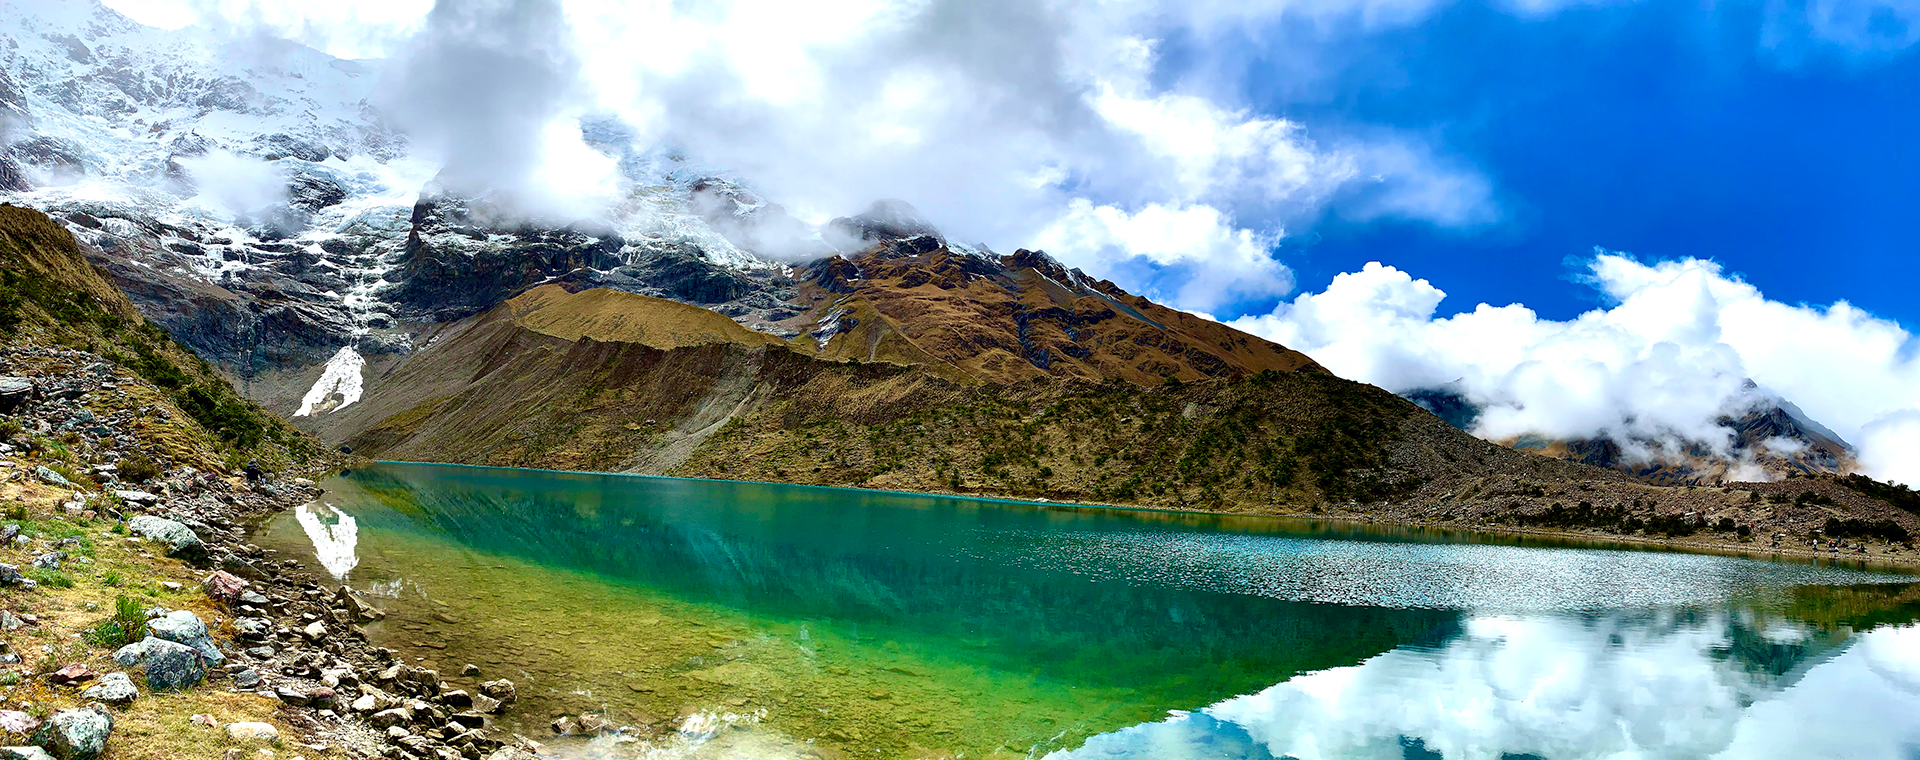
pixel 240 632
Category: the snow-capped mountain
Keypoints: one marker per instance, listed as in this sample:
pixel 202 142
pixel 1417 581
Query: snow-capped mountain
pixel 249 196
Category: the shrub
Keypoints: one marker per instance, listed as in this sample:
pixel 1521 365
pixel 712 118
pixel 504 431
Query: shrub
pixel 51 578
pixel 127 625
pixel 138 468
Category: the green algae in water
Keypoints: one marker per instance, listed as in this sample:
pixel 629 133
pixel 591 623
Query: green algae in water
pixel 890 625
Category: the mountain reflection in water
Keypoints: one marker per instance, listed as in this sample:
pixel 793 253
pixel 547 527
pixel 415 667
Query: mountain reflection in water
pixel 887 624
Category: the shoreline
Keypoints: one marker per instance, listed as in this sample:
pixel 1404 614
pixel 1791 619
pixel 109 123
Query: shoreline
pixel 1608 541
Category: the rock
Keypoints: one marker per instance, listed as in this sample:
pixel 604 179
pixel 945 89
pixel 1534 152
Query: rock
pixel 24 753
pixel 469 719
pixel 501 690
pixel 16 722
pixel 114 689
pixel 52 478
pixel 511 753
pixel 223 586
pixel 181 541
pixel 314 631
pixel 594 724
pixel 10 576
pixel 457 699
pixel 8 532
pixel 470 671
pixel 10 621
pixel 202 719
pixel 486 704
pixel 49 561
pixel 247 678
pixel 168 665
pixel 240 567
pixel 394 716
pixel 253 732
pixel 564 725
pixel 72 675
pixel 293 696
pixel 138 498
pixel 254 598
pixel 78 734
pixel 322 696
pixel 262 652
pixel 184 627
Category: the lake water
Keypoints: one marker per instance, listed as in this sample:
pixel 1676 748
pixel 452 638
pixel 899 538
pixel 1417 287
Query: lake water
pixel 748 620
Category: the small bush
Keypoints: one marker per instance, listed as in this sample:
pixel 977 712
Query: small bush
pixel 127 625
pixel 112 578
pixel 138 468
pixel 51 578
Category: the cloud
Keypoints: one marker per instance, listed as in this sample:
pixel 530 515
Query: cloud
pixel 1191 255
pixel 233 183
pixel 1010 123
pixel 1663 362
pixel 1620 685
pixel 342 28
pixel 491 88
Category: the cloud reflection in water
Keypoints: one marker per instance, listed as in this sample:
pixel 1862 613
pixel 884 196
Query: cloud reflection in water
pixel 1614 686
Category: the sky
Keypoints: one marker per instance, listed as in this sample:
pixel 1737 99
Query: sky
pixel 1593 217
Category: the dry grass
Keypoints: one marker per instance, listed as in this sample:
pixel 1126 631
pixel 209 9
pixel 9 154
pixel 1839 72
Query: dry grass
pixel 155 726
pixel 612 316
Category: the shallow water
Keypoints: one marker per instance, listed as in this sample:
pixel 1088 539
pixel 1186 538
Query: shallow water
pixel 750 620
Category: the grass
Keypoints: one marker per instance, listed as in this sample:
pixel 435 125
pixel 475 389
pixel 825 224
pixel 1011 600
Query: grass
pixel 103 604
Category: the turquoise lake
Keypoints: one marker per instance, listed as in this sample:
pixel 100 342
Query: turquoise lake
pixel 722 619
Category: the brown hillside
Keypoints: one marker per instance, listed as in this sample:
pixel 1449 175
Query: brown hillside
pixel 1011 319
pixel 615 316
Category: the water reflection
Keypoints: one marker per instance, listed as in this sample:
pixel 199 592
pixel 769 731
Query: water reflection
pixel 1610 686
pixel 884 623
pixel 334 534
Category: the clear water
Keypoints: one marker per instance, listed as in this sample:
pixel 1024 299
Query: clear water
pixel 747 620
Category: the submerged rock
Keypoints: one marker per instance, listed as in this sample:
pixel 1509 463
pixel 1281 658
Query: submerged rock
pixel 502 690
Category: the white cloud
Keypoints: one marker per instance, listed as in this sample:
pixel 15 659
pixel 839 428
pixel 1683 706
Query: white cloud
pixel 341 28
pixel 235 184
pixel 1622 686
pixel 1191 255
pixel 1663 362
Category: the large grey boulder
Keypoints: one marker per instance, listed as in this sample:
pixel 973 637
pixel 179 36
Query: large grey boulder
pixel 183 627
pixel 78 734
pixel 114 689
pixel 168 666
pixel 140 498
pixel 180 539
pixel 52 478
pixel 14 392
pixel 10 575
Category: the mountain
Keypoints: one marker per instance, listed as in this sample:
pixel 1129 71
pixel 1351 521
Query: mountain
pixel 1769 440
pixel 247 197
pixel 187 414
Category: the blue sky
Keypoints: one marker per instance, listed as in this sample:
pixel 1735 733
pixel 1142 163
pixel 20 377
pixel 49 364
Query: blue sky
pixel 1663 128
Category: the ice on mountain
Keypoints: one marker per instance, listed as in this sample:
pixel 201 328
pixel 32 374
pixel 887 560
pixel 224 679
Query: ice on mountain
pixel 338 386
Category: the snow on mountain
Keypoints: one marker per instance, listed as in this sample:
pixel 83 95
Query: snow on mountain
pixel 250 198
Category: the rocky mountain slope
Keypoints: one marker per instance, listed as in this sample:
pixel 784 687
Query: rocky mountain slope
pixel 1770 440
